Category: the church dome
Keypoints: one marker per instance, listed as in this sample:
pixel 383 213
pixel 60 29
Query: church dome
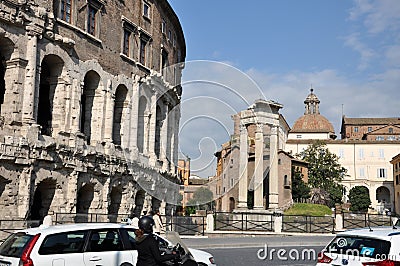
pixel 312 121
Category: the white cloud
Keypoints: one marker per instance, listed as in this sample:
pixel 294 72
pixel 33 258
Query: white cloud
pixel 392 55
pixel 366 53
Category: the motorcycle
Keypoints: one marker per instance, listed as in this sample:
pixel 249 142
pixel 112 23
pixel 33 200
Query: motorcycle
pixel 184 257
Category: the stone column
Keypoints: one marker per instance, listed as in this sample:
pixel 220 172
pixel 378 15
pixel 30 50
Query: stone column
pixel 24 190
pixel 28 103
pixel 259 169
pixel 152 130
pixel 243 161
pixel 273 172
pixel 174 139
pixel 134 118
pixel 109 113
pixel 72 192
pixel 164 140
pixel 76 109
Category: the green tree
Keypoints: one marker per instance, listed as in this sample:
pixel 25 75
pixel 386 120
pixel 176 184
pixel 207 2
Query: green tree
pixel 324 171
pixel 202 200
pixel 300 190
pixel 359 199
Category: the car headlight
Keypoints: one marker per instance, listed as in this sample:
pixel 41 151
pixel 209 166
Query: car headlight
pixel 212 260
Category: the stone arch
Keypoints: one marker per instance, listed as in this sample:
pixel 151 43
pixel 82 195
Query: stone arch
pixel 155 203
pixel 120 113
pixel 6 50
pixel 84 201
pixel 139 202
pixel 42 199
pixel 142 120
pixel 231 204
pixel 115 202
pixel 48 102
pixel 90 87
pixel 383 194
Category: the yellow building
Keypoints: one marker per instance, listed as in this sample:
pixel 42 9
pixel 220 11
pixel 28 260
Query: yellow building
pixel 396 176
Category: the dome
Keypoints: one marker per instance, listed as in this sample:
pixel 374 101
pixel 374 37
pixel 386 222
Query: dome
pixel 312 123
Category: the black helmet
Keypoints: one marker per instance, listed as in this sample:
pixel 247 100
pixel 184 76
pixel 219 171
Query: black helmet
pixel 146 224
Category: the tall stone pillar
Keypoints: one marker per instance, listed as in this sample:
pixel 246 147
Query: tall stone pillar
pixel 109 114
pixel 174 139
pixel 28 103
pixel 134 118
pixel 152 130
pixel 76 109
pixel 273 172
pixel 164 140
pixel 259 169
pixel 243 161
pixel 24 189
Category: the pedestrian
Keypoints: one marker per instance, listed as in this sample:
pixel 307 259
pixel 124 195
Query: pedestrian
pixel 148 246
pixel 158 225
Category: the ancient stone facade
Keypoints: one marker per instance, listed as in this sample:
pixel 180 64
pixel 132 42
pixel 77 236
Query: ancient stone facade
pixel 89 98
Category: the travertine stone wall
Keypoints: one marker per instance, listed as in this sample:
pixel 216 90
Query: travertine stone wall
pixel 69 122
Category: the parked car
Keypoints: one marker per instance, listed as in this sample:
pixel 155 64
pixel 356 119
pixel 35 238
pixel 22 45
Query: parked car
pixel 86 244
pixel 363 247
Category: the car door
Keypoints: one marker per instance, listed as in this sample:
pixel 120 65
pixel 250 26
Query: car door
pixel 105 248
pixel 61 249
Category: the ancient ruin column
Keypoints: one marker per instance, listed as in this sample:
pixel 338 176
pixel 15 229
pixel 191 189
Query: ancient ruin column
pixel 243 161
pixel 152 130
pixel 24 189
pixel 109 114
pixel 174 139
pixel 134 118
pixel 28 103
pixel 273 172
pixel 259 169
pixel 164 140
pixel 75 110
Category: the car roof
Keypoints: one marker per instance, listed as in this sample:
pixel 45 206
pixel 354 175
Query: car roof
pixel 383 232
pixel 72 227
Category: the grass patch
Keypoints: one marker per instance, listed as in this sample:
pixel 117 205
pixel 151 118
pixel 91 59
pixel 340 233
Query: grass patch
pixel 309 209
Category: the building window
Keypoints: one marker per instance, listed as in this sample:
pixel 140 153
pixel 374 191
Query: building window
pixel 356 129
pixel 174 41
pixel 146 10
pixel 381 153
pixel 298 136
pixel 382 173
pixel 286 182
pixel 169 35
pixel 361 153
pixel 390 130
pixel 391 138
pixel 379 138
pixel 126 43
pixel 397 179
pixel 369 129
pixel 341 153
pixel 129 30
pixel 91 22
pixel 362 172
pixel 142 58
pixel 163 26
pixel 65 10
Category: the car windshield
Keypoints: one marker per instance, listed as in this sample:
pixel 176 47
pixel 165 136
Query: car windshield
pixel 15 244
pixel 359 246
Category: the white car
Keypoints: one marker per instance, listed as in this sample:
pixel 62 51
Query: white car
pixel 88 244
pixel 379 246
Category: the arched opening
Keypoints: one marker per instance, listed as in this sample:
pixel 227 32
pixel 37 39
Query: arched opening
pixel 42 199
pixel 231 204
pixel 51 69
pixel 91 83
pixel 6 49
pixel 115 203
pixel 139 202
pixel 120 107
pixel 157 140
pixel 84 202
pixel 383 198
pixel 141 123
pixel 155 204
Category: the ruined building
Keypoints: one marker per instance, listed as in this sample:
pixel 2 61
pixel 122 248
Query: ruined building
pixel 89 101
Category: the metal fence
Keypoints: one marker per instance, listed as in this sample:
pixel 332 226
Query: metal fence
pixel 308 224
pixel 356 220
pixel 253 221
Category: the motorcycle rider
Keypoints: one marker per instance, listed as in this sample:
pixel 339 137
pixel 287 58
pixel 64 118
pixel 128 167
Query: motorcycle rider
pixel 147 245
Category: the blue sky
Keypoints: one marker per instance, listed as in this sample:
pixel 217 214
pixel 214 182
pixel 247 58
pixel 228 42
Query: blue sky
pixel 348 50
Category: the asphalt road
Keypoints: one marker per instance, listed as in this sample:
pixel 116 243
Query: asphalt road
pixel 262 250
